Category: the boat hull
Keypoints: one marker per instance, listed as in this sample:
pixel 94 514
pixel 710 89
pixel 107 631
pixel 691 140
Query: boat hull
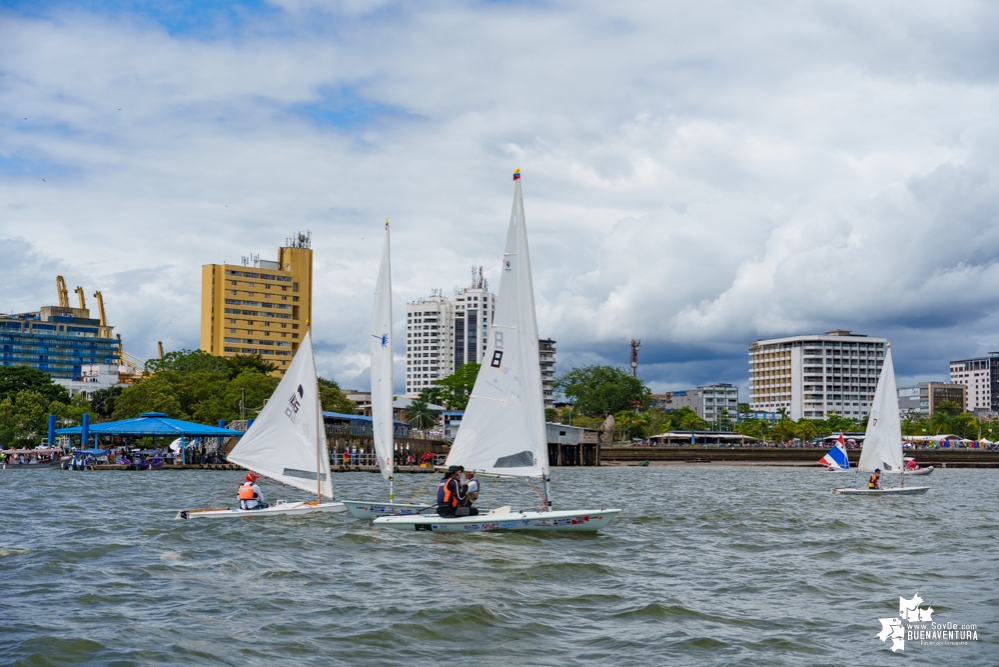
pixel 918 471
pixel 894 491
pixel 363 509
pixel 281 508
pixel 564 521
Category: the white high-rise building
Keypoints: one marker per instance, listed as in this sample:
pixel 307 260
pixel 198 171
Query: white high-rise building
pixel 812 376
pixel 428 342
pixel 443 334
pixel 981 377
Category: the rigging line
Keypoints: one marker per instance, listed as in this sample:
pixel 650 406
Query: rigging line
pixel 430 478
pixel 544 500
pixel 223 493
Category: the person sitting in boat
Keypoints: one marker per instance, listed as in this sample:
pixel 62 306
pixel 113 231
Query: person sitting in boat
pixel 875 481
pixel 911 465
pixel 470 488
pixel 449 492
pixel 250 495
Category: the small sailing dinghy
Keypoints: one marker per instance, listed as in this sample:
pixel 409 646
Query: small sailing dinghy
pixel 883 439
pixel 503 429
pixel 382 419
pixel 286 443
pixel 836 460
pixel 911 468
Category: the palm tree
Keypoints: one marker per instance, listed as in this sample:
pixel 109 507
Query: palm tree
pixel 419 414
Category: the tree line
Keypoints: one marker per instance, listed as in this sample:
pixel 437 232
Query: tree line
pixel 191 385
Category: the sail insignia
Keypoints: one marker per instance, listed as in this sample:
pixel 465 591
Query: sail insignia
pixel 303 474
pixel 524 459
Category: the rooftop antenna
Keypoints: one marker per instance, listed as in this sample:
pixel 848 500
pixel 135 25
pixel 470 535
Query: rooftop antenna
pixel 635 344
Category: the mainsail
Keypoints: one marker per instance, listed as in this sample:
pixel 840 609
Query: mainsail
pixel 883 439
pixel 503 429
pixel 287 440
pixel 383 422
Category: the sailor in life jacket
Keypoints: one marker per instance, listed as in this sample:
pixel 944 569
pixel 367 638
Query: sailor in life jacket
pixel 449 492
pixel 875 481
pixel 250 496
pixel 471 488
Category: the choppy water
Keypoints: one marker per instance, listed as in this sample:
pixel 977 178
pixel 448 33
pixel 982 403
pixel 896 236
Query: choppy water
pixel 707 566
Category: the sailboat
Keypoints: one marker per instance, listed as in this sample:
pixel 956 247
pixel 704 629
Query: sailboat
pixel 382 419
pixel 503 429
pixel 883 439
pixel 836 460
pixel 286 443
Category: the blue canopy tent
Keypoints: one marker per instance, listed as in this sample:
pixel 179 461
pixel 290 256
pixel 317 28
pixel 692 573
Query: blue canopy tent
pixel 155 424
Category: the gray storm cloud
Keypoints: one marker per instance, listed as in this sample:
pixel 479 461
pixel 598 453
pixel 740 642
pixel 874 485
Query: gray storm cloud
pixel 694 175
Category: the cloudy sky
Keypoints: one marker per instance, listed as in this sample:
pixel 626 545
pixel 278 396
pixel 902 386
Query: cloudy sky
pixel 697 175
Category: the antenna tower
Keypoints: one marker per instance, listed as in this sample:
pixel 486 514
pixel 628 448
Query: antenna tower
pixel 635 344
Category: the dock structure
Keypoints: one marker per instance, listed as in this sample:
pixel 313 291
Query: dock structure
pixel 790 456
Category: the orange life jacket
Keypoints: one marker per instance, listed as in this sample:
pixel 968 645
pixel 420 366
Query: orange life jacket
pixel 246 492
pixel 873 483
pixel 444 494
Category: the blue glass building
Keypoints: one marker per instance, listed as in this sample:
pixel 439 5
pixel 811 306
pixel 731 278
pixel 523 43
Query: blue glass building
pixel 57 341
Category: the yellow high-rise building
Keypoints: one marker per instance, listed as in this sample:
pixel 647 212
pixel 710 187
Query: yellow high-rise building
pixel 259 307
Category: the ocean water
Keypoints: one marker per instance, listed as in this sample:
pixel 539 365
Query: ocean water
pixel 706 566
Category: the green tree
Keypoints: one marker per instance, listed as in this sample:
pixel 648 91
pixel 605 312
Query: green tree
pixel 156 393
pixel 419 414
pixel 633 424
pixel 249 363
pixel 550 414
pixel 457 387
pixel 949 408
pixel 685 419
pixel 24 418
pixel 433 395
pixel 599 390
pixel 185 362
pixel 15 379
pixel 103 401
pixel 333 399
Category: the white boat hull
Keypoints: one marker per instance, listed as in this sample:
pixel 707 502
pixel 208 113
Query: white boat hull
pixel 918 471
pixel 568 521
pixel 893 491
pixel 363 509
pixel 280 508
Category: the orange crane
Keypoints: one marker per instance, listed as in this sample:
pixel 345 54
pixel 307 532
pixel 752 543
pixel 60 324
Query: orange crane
pixel 79 293
pixel 62 291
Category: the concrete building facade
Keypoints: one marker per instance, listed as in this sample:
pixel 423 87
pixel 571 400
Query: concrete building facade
pixel 710 402
pixel 546 353
pixel 925 397
pixel 444 334
pixel 260 307
pixel 59 341
pixel 814 375
pixel 980 376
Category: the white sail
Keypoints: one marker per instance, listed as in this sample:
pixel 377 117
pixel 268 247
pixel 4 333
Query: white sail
pixel 383 422
pixel 287 441
pixel 503 429
pixel 883 439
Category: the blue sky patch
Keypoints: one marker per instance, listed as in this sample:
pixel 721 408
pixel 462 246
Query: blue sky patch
pixel 202 19
pixel 343 108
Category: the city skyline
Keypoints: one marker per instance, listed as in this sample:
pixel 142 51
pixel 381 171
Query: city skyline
pixel 682 185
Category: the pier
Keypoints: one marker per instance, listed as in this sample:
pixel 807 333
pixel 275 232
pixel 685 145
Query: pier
pixel 800 457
